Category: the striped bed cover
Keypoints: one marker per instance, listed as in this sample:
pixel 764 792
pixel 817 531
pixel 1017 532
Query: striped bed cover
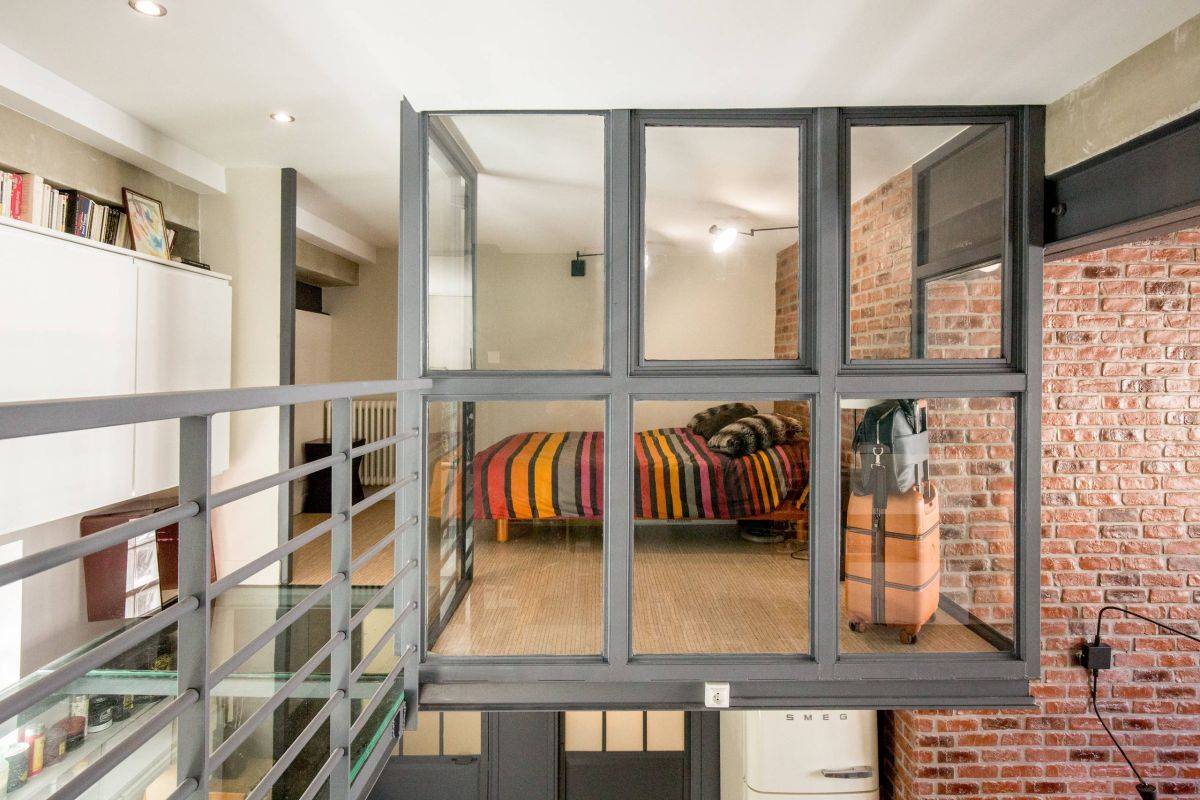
pixel 561 476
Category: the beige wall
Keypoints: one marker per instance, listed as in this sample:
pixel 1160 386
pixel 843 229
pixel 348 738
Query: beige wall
pixel 1155 85
pixel 703 305
pixel 363 343
pixel 531 314
pixel 29 146
pixel 240 236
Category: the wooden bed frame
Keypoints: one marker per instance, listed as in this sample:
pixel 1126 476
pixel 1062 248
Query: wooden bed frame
pixel 793 511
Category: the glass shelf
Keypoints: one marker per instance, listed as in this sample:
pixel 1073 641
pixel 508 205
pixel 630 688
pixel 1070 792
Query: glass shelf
pixel 145 678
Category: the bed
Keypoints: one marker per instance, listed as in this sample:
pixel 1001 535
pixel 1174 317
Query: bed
pixel 559 476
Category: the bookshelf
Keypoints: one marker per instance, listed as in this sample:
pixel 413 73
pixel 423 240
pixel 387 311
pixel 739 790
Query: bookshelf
pixel 84 216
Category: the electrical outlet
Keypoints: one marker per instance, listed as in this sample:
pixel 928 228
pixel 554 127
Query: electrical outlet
pixel 493 356
pixel 716 695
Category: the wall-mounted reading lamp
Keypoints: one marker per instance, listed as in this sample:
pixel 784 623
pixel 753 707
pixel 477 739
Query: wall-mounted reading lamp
pixel 724 238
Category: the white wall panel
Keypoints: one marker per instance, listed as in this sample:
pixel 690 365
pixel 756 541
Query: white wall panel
pixel 67 322
pixel 183 343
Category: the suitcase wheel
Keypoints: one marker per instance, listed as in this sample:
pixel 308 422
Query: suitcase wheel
pixel 908 635
pixel 857 625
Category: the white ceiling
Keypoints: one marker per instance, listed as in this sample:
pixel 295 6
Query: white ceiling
pixel 208 73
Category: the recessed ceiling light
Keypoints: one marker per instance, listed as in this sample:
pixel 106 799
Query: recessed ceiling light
pixel 990 268
pixel 283 116
pixel 148 7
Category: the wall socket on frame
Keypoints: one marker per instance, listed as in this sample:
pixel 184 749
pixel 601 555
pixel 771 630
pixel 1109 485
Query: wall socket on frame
pixel 716 695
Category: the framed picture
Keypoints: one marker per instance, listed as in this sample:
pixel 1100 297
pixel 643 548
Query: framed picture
pixel 147 224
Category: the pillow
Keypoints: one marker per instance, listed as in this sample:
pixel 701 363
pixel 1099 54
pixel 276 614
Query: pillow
pixel 758 432
pixel 708 422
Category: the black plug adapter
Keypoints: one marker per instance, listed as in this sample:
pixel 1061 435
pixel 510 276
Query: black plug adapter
pixel 1095 656
pixel 1147 791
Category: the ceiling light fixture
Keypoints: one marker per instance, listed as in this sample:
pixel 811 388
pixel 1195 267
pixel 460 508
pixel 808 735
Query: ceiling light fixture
pixel 724 238
pixel 148 7
pixel 990 268
pixel 283 117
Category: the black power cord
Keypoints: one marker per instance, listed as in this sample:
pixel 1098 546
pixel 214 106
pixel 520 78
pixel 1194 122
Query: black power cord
pixel 1097 656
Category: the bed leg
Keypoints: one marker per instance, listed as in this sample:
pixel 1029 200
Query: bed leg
pixel 501 530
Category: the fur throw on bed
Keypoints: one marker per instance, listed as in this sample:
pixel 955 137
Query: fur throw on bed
pixel 754 433
pixel 708 422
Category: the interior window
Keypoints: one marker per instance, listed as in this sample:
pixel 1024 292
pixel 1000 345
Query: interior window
pixel 515 527
pixel 927 521
pixel 927 245
pixel 516 242
pixel 720 266
pixel 721 526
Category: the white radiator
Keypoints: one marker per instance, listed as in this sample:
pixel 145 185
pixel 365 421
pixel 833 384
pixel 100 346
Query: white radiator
pixel 373 420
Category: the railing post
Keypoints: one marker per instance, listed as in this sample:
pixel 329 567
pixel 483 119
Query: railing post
pixel 192 631
pixel 407 548
pixel 340 539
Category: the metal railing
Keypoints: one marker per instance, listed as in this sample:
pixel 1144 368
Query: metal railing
pixel 197 761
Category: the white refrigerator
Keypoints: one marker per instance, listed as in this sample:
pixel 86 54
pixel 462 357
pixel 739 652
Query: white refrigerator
pixel 799 755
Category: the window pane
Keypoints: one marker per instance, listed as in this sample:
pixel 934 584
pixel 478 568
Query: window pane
pixel 515 540
pixel 720 269
pixel 721 531
pixel 933 572
pixel 927 234
pixel 516 242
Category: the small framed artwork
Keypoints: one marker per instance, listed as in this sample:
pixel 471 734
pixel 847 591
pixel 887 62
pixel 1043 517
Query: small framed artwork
pixel 147 224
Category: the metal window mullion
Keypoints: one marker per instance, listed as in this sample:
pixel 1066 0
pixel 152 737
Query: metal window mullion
pixel 826 327
pixel 409 346
pixel 340 545
pixel 192 730
pixel 622 216
pixel 1030 254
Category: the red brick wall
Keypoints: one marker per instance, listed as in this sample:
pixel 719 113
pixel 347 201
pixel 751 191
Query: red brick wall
pixel 881 270
pixel 962 317
pixel 1121 524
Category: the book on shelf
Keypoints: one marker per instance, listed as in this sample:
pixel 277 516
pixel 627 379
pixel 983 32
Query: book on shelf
pixel 29 198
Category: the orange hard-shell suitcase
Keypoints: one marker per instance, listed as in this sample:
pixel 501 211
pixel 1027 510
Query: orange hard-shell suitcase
pixel 893 561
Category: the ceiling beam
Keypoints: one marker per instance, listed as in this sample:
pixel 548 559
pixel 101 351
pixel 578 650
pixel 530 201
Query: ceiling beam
pixel 37 92
pixel 324 233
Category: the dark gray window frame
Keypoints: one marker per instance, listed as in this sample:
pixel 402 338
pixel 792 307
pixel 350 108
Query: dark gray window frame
pixel 804 120
pixel 943 267
pixel 1012 256
pixel 823 678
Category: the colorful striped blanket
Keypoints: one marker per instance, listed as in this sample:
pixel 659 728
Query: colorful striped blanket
pixel 676 476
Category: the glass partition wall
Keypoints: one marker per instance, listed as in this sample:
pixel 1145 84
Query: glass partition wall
pixel 741 396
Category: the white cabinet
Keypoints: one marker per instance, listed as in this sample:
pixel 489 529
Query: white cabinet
pixel 66 330
pixel 183 342
pixel 84 320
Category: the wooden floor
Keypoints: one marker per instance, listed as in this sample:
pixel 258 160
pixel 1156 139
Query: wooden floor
pixel 698 588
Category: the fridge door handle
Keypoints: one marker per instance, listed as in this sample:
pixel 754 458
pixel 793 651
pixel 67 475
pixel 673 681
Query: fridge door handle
pixel 849 773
